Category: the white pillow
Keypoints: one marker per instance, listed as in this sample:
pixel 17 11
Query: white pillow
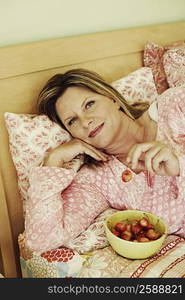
pixel 30 137
pixel 138 86
pixel 174 66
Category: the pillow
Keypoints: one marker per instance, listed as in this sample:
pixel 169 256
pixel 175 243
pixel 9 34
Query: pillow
pixel 174 66
pixel 137 86
pixel 30 137
pixel 153 58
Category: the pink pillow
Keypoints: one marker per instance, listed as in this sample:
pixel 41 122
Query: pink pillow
pixel 30 137
pixel 153 58
pixel 174 66
pixel 137 86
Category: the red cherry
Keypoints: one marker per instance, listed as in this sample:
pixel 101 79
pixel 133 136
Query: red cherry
pixel 126 176
pixel 144 222
pixel 126 235
pixel 136 228
pixel 142 234
pixel 128 227
pixel 115 232
pixel 150 226
pixel 152 234
pixel 120 226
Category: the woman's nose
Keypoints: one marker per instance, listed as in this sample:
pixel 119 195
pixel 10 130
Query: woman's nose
pixel 86 121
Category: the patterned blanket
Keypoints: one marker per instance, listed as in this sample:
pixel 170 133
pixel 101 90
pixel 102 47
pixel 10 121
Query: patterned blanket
pixel 91 256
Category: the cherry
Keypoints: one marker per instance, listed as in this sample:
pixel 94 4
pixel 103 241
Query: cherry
pixel 152 234
pixel 126 235
pixel 126 176
pixel 136 230
pixel 115 232
pixel 144 222
pixel 120 226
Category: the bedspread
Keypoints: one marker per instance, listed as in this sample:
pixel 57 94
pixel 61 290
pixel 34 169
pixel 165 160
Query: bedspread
pixel 91 256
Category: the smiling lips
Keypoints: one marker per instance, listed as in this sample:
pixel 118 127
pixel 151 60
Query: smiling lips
pixel 96 131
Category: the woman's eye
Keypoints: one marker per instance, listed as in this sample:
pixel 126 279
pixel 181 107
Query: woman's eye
pixel 71 121
pixel 89 104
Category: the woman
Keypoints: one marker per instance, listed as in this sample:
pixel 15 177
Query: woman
pixel 140 159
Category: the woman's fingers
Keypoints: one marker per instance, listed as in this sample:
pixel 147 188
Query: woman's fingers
pixel 136 153
pixel 95 153
pixel 159 161
pixel 157 158
pixel 150 157
pixel 152 154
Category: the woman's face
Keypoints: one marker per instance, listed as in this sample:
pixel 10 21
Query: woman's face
pixel 91 117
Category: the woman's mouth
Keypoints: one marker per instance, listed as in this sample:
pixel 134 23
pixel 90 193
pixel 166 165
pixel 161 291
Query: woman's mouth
pixel 96 131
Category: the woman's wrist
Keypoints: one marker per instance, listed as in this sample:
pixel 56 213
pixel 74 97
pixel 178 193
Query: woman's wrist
pixel 50 160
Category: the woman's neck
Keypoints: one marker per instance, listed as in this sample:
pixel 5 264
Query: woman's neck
pixel 132 132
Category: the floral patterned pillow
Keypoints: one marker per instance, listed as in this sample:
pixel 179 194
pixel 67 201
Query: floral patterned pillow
pixel 138 86
pixel 30 137
pixel 153 58
pixel 174 66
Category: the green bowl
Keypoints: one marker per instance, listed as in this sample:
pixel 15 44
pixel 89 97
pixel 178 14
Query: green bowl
pixel 131 249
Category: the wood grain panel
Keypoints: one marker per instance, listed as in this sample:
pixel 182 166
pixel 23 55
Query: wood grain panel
pixel 49 54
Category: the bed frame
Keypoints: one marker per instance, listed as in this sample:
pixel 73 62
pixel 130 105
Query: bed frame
pixel 25 68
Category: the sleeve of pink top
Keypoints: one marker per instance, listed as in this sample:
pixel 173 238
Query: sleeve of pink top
pixel 174 126
pixel 181 196
pixel 59 208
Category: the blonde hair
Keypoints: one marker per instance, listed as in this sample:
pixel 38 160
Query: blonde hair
pixel 57 85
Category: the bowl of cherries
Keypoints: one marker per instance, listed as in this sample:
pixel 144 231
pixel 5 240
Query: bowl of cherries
pixel 135 234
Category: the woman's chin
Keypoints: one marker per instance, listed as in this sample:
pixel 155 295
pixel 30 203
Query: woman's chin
pixel 102 145
pixel 99 142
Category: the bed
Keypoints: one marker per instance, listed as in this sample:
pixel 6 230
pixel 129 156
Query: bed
pixel 24 70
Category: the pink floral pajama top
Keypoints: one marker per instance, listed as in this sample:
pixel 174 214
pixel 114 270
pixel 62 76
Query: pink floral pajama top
pixel 63 203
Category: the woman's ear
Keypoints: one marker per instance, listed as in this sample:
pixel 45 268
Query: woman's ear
pixel 116 104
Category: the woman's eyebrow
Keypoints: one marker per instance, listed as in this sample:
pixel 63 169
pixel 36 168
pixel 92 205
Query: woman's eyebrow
pixel 67 118
pixel 85 100
pixel 81 106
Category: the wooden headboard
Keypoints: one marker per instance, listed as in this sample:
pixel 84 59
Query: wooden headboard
pixel 24 69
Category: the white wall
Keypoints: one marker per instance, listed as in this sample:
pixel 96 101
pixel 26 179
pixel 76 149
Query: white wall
pixel 23 21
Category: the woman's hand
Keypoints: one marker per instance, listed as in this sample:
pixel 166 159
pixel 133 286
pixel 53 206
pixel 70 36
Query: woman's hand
pixel 155 157
pixel 67 151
